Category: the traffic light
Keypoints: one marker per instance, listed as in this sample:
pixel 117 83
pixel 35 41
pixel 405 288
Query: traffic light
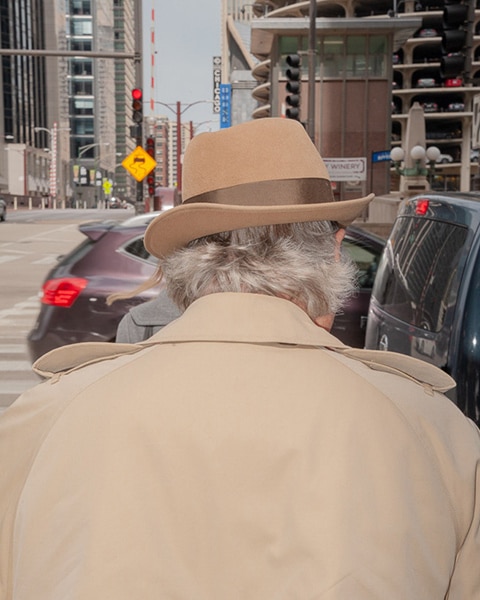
pixel 137 105
pixel 294 78
pixel 150 149
pixel 454 37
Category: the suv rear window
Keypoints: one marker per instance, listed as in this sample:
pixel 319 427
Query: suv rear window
pixel 417 278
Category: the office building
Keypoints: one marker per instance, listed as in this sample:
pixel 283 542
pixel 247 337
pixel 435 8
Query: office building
pixel 65 119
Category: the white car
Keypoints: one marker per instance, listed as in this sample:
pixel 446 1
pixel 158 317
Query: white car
pixel 445 158
pixel 3 209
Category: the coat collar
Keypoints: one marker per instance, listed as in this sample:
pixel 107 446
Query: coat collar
pixel 225 317
pixel 249 318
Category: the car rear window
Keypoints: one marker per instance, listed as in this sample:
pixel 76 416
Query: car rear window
pixel 418 277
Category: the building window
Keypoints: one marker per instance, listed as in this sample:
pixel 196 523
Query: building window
pixel 81 67
pixel 81 87
pixel 81 45
pixel 81 7
pixel 81 27
pixel 83 106
pixel 83 126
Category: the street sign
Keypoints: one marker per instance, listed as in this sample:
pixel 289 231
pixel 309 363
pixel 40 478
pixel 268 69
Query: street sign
pixel 382 156
pixel 346 169
pixel 225 105
pixel 217 78
pixel 139 163
pixel 107 186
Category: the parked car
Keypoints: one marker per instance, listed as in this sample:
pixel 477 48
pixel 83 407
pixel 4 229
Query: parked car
pixel 429 107
pixel 444 159
pixel 444 135
pixel 426 82
pixel 456 107
pixel 453 82
pixel 427 32
pixel 113 258
pixel 3 209
pixel 426 297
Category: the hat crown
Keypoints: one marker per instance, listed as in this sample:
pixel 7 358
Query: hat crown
pixel 263 150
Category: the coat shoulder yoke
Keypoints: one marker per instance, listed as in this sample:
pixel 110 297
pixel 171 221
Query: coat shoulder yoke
pixel 75 356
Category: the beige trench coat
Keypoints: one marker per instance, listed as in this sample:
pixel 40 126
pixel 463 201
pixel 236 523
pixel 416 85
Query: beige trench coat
pixel 242 453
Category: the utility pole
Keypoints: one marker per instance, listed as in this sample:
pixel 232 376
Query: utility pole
pixel 139 204
pixel 311 70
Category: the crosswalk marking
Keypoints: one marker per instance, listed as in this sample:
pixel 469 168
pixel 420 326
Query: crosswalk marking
pixel 12 348
pixel 16 375
pixel 9 258
pixel 47 260
pixel 15 365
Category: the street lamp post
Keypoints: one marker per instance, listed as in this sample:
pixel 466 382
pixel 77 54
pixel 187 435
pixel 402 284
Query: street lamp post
pixel 179 112
pixel 81 152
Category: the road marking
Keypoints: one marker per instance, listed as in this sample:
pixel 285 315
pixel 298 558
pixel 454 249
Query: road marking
pixel 16 386
pixel 16 375
pixel 4 249
pixel 5 259
pixel 48 260
pixel 15 365
pixel 55 232
pixel 12 348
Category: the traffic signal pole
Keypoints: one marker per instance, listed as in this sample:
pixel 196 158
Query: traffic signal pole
pixel 311 70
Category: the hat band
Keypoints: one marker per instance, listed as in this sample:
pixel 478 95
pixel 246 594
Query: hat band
pixel 278 192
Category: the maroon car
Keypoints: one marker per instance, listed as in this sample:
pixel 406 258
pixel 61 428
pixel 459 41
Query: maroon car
pixel 112 258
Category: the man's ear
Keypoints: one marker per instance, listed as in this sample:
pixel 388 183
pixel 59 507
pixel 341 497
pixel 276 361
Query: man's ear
pixel 339 235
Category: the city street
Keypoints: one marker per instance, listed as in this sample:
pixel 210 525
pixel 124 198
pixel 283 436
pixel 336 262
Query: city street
pixel 30 242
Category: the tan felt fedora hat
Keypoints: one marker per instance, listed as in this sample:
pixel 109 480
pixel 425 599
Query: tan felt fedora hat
pixel 263 172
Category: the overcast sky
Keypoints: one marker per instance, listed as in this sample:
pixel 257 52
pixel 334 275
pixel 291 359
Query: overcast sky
pixel 187 37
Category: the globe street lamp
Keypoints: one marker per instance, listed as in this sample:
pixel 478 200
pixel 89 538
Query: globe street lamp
pixel 418 154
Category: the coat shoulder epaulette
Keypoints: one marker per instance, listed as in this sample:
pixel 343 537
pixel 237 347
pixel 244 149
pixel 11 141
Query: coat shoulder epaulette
pixel 78 355
pixel 403 365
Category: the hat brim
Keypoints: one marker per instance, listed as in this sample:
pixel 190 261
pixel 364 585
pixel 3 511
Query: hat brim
pixel 178 226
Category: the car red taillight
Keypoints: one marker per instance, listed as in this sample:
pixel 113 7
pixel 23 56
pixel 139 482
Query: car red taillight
pixel 422 207
pixel 63 291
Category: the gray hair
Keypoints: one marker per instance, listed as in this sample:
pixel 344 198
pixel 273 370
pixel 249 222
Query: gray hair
pixel 296 261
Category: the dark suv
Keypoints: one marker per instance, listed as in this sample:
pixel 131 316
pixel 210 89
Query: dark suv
pixel 426 297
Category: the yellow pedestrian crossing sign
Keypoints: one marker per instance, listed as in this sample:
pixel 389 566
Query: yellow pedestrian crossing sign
pixel 107 186
pixel 139 163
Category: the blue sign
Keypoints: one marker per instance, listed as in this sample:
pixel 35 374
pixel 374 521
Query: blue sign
pixel 382 156
pixel 225 105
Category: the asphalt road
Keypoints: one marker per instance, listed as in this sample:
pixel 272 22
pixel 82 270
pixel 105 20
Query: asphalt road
pixel 30 242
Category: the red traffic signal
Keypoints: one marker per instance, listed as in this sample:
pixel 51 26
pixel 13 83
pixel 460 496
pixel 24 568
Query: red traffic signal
pixel 150 146
pixel 137 105
pixel 151 184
